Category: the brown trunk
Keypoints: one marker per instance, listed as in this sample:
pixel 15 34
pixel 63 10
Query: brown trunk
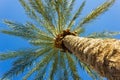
pixel 103 55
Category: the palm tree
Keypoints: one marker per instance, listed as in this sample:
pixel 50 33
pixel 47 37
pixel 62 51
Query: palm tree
pixel 55 37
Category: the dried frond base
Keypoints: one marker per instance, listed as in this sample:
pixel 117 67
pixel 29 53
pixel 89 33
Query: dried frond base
pixel 58 40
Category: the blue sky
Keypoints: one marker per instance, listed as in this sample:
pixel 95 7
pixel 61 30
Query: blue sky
pixel 12 10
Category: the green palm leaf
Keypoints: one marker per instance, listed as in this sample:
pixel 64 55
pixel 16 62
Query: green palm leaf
pixel 76 15
pixel 94 14
pixel 104 34
pixel 54 67
pixel 73 67
pixel 44 61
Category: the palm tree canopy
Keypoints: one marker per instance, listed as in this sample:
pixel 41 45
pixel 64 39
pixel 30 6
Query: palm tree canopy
pixel 51 21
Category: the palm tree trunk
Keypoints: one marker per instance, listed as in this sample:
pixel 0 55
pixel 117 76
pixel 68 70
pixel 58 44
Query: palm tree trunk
pixel 103 55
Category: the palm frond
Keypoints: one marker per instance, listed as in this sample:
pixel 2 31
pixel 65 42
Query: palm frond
pixel 32 13
pixel 9 55
pixel 58 10
pixel 69 10
pixel 18 29
pixel 25 61
pixel 92 73
pixel 40 72
pixel 19 66
pixel 94 14
pixel 62 60
pixel 40 42
pixel 64 66
pixel 15 54
pixel 64 15
pixel 43 72
pixel 73 67
pixel 54 67
pixel 13 25
pixel 70 6
pixel 39 7
pixel 44 61
pixel 16 33
pixel 76 15
pixel 104 34
pixel 40 33
pixel 51 10
pixel 28 31
pixel 31 55
pixel 41 51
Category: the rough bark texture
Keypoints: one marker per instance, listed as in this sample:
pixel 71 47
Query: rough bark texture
pixel 103 55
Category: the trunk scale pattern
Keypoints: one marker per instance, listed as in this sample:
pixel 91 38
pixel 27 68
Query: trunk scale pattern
pixel 102 55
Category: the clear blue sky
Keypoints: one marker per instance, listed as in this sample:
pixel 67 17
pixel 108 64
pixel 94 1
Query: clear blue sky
pixel 12 10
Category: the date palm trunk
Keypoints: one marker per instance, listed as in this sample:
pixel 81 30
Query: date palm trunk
pixel 102 55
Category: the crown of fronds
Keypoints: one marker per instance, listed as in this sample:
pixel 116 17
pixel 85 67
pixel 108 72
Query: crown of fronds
pixel 51 18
